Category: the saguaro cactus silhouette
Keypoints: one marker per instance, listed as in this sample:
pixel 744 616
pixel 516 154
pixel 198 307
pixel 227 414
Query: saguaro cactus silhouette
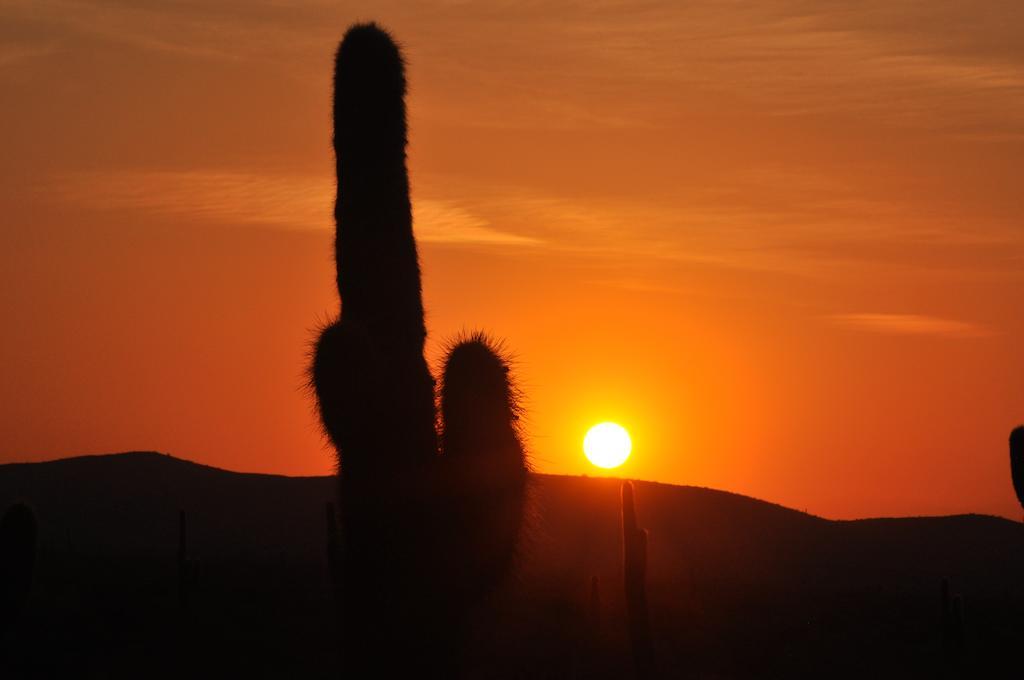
pixel 634 569
pixel 429 523
pixel 1017 462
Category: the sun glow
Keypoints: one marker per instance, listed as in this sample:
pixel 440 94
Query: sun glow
pixel 607 445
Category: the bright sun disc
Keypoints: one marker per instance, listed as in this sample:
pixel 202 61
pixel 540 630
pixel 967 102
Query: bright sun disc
pixel 607 445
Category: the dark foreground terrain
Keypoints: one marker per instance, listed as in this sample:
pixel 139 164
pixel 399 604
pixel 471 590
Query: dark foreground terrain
pixel 738 587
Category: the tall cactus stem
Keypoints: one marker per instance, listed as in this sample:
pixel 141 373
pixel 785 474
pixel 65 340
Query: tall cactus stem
pixel 634 569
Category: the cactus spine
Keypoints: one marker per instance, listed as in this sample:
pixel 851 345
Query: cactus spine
pixel 634 569
pixel 428 525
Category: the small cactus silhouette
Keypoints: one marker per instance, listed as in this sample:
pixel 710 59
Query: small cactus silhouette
pixel 634 569
pixel 594 605
pixel 945 616
pixel 952 634
pixel 429 514
pixel 188 567
pixel 483 459
pixel 958 621
pixel 17 560
pixel 1017 462
pixel 333 543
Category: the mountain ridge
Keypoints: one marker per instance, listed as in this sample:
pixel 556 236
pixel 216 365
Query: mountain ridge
pixel 171 458
pixel 739 587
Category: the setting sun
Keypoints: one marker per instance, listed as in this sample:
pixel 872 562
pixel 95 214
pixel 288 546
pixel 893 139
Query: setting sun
pixel 607 445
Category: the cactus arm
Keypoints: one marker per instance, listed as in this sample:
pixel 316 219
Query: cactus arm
pixel 345 374
pixel 484 458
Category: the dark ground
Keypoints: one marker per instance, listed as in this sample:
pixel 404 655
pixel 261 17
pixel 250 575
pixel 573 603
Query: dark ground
pixel 738 587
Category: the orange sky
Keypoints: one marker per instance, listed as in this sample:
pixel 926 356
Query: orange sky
pixel 781 242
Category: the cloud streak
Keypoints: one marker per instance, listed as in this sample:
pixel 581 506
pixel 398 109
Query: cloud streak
pixel 278 201
pixel 701 99
pixel 14 54
pixel 899 61
pixel 910 324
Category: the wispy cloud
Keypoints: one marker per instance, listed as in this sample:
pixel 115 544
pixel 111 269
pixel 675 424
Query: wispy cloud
pixel 281 201
pixel 762 219
pixel 910 324
pixel 202 31
pixel 901 61
pixel 937 65
pixel 715 82
pixel 440 221
pixel 16 53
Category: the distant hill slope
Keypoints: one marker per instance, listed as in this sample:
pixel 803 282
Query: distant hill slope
pixel 739 587
pixel 133 499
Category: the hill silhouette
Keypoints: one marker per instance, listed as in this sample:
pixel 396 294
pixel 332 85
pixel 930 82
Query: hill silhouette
pixel 738 587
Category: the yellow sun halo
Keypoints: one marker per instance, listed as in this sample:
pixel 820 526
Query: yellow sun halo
pixel 607 445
